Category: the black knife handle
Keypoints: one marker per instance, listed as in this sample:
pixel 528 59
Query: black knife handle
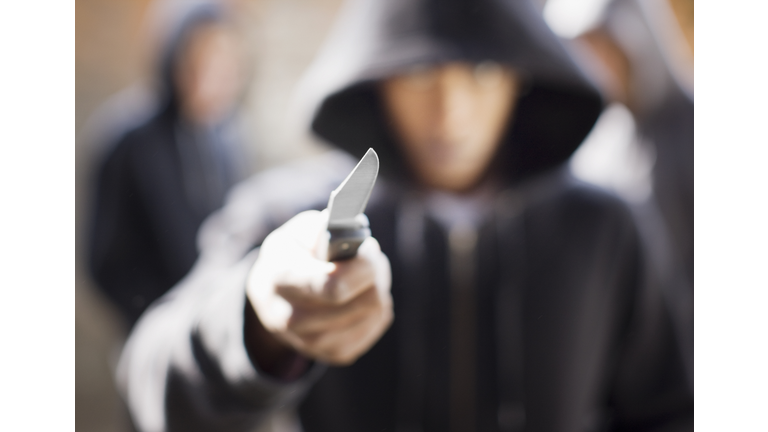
pixel 343 243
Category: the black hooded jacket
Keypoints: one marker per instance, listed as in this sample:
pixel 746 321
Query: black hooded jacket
pixel 154 187
pixel 532 306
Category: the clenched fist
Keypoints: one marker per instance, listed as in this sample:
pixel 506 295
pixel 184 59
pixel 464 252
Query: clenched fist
pixel 329 311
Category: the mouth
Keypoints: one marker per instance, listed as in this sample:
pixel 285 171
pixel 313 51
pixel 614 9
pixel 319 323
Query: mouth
pixel 443 152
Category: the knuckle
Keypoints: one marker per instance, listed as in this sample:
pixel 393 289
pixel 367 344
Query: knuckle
pixel 294 325
pixel 343 357
pixel 332 290
pixel 311 342
pixel 372 244
pixel 337 291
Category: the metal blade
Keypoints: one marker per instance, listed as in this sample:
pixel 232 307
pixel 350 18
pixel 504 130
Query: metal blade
pixel 348 201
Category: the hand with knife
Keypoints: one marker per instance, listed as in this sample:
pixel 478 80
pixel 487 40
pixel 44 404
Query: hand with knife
pixel 321 285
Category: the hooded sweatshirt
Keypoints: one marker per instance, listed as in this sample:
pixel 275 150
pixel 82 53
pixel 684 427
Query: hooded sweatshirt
pixel 155 184
pixel 527 304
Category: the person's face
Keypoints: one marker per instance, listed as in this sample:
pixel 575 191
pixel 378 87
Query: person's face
pixel 209 74
pixel 450 119
pixel 616 81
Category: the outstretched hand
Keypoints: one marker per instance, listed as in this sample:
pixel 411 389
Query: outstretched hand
pixel 329 311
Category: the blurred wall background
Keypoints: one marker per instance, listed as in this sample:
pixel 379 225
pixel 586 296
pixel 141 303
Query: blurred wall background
pixel 107 59
pixel 113 52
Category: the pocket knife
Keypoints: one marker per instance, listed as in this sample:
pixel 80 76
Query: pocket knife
pixel 347 225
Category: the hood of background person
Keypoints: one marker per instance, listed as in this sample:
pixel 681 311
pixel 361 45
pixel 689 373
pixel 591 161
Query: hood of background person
pixel 655 46
pixel 167 25
pixel 180 24
pixel 376 39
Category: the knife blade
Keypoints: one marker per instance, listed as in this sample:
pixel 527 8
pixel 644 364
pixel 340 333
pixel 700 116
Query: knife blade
pixel 347 225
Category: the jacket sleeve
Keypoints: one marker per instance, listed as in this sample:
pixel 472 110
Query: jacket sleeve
pixel 185 365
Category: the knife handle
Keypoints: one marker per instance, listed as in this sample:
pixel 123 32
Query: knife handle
pixel 343 243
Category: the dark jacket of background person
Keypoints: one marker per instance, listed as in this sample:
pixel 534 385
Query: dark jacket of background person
pixel 540 287
pixel 664 112
pixel 661 99
pixel 154 187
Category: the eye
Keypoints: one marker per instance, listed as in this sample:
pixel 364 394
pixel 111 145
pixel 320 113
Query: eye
pixel 489 74
pixel 421 77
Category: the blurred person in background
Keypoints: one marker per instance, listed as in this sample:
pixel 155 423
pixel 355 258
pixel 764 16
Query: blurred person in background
pixel 522 299
pixel 161 178
pixel 642 54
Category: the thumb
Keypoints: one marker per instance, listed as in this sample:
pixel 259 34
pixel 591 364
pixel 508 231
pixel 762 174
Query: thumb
pixel 309 231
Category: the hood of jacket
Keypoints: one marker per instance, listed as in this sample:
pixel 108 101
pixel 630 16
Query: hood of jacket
pixel 181 22
pixel 376 39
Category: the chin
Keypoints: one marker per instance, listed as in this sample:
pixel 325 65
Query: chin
pixel 450 183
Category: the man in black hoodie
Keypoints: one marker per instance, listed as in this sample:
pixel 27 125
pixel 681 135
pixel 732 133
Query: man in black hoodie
pixel 522 299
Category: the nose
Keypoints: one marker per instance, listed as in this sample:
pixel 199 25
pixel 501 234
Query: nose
pixel 454 106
